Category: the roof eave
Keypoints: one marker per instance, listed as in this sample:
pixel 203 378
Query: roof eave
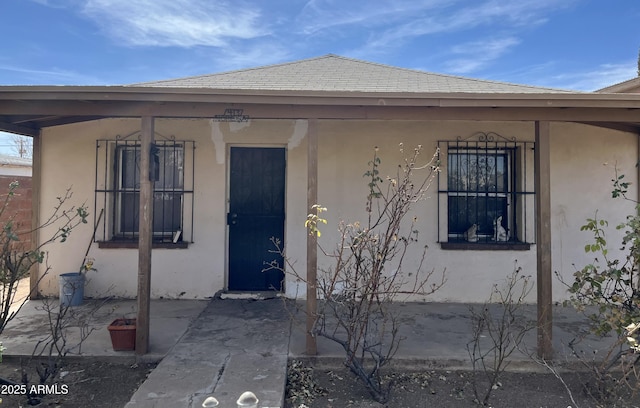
pixel 207 95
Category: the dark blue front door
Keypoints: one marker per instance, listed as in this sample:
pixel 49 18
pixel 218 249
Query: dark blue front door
pixel 256 215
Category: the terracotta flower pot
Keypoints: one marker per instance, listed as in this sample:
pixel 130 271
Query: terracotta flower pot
pixel 123 334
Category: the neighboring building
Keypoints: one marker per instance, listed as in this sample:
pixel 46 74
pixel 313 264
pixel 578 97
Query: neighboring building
pixel 630 86
pixel 14 169
pixel 234 165
pixel 14 166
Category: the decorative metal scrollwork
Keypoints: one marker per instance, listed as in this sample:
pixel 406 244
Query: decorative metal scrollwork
pixel 136 136
pixel 486 137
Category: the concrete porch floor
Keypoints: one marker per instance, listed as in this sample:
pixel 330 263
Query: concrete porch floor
pixel 223 347
pixel 169 321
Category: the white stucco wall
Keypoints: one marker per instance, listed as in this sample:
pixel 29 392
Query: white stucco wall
pixel 343 191
pixel 583 163
pixel 197 272
pixel 580 184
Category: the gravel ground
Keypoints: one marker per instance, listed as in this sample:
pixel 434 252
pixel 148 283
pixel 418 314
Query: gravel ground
pixel 338 388
pixel 81 383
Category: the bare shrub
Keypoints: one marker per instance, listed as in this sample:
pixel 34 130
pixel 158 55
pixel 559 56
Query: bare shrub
pixel 18 256
pixel 498 329
pixel 367 270
pixel 68 328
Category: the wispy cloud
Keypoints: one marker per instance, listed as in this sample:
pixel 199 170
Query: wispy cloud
pixel 478 54
pixel 248 55
pixel 53 3
pixel 323 15
pixel 504 15
pixel 54 76
pixel 601 77
pixel 182 23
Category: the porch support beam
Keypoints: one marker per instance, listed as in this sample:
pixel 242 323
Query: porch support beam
pixel 36 185
pixel 312 239
pixel 145 236
pixel 543 237
pixel 638 167
pixel 340 110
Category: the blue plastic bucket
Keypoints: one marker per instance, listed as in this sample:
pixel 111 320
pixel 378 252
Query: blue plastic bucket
pixel 71 289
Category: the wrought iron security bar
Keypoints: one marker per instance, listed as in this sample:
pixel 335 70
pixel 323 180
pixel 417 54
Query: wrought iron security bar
pixel 118 188
pixel 486 191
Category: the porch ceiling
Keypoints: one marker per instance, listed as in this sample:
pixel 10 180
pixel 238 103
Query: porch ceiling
pixel 27 109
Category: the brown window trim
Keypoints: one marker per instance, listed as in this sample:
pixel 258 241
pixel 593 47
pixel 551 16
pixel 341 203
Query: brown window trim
pixel 131 244
pixel 486 246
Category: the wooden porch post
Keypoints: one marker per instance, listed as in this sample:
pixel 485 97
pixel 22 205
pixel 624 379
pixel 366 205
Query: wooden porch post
pixel 145 236
pixel 312 239
pixel 36 184
pixel 543 238
pixel 638 167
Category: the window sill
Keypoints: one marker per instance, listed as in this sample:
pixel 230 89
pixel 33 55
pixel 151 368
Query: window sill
pixel 486 246
pixel 134 245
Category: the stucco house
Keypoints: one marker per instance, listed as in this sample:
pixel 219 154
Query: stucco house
pixel 239 157
pixel 630 86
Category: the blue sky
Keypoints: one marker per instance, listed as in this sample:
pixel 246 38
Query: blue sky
pixel 571 44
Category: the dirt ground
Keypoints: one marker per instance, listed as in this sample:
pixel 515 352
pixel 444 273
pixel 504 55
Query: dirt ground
pixel 91 383
pixel 338 388
pixel 80 384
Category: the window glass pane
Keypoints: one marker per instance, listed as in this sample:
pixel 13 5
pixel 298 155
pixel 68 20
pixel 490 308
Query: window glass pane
pixel 167 205
pixel 477 172
pixel 478 188
pixel 453 181
pixel 167 212
pixel 465 211
pixel 130 168
pixel 171 168
pixel 171 160
pixel 500 182
pixel 129 208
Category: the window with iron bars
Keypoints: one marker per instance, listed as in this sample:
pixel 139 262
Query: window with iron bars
pixel 486 193
pixel 118 190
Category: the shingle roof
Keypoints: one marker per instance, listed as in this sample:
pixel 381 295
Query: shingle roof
pixel 629 86
pixel 340 74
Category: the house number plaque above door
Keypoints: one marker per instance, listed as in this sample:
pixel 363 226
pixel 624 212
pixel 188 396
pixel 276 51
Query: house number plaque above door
pixel 232 115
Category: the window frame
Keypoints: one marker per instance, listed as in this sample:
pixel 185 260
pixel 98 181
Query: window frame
pixel 123 188
pixel 508 222
pixel 517 190
pixel 110 186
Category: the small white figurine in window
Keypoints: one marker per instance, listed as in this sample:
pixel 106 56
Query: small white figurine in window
pixel 499 233
pixel 471 234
